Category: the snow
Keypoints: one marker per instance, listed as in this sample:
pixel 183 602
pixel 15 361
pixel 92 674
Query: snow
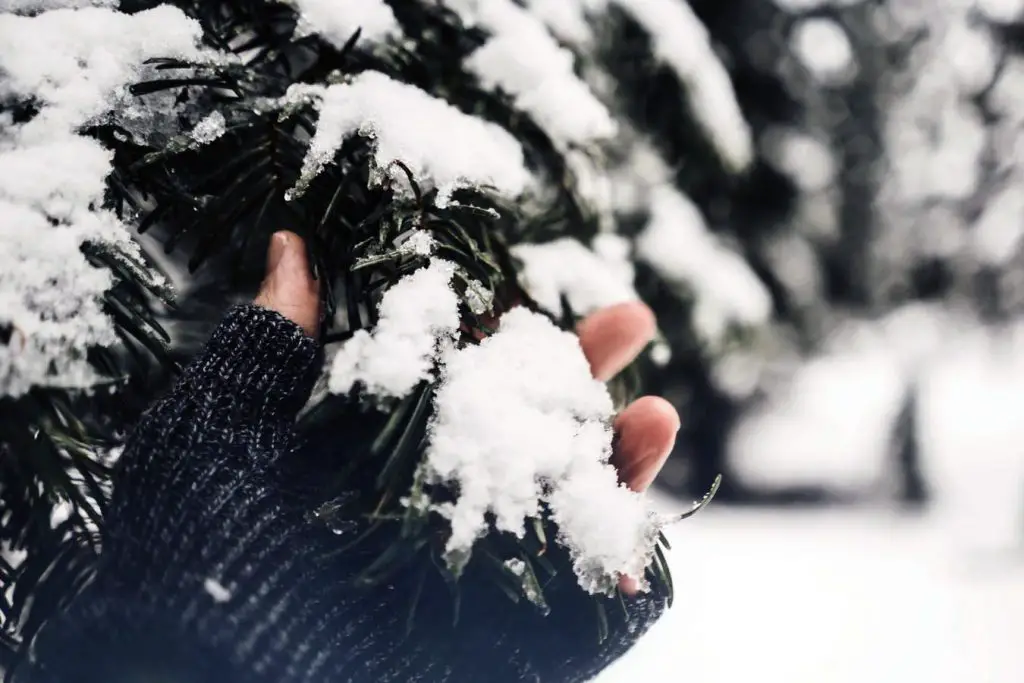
pixel 936 139
pixel 616 254
pixel 972 55
pixel 837 596
pixel 634 179
pixel 73 64
pixel 442 146
pixel 661 354
pixel 952 143
pixel 521 58
pixel 972 416
pixel 209 129
pixel 60 513
pixel 867 593
pixel 996 237
pixel 416 314
pixel 589 179
pixel 832 425
pixel 825 50
pixel 677 244
pixel 49 293
pixel 516 566
pixel 57 178
pixel 805 159
pixel 796 264
pixel 807 5
pixel 542 436
pixel 566 267
pixel 337 20
pixel 830 422
pixel 1003 11
pixel 684 45
pixel 49 297
pixel 1007 97
pixel 478 297
pixel 33 6
pixel 419 243
pixel 944 164
pixel 14 558
pixel 564 18
pixel 216 590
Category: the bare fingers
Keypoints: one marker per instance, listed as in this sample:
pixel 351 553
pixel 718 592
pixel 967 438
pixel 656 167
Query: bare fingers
pixel 289 287
pixel 646 434
pixel 612 337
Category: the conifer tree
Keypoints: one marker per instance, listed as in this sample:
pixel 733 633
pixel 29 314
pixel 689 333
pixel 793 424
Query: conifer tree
pixel 447 162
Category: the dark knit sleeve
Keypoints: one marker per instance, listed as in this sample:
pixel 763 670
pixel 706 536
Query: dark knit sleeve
pixel 194 524
pixel 190 492
pixel 210 574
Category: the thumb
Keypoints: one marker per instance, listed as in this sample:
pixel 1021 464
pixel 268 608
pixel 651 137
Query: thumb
pixel 289 287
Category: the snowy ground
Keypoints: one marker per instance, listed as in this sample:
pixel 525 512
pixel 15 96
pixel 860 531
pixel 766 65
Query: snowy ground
pixel 868 593
pixel 832 597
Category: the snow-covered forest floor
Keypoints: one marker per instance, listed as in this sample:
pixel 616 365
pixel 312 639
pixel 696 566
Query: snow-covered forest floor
pixel 842 596
pixel 867 592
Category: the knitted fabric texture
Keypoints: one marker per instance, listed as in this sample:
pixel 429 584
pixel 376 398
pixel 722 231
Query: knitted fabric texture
pixel 213 572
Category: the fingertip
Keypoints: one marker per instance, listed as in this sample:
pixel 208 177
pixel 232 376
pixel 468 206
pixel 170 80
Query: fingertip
pixel 633 315
pixel 647 431
pixel 657 410
pixel 642 319
pixel 276 249
pixel 629 586
pixel 289 287
pixel 287 259
pixel 612 337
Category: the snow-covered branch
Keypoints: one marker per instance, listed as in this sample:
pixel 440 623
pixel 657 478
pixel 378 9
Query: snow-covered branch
pixel 71 65
pixel 443 147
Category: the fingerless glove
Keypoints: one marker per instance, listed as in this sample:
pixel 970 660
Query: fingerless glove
pixel 209 573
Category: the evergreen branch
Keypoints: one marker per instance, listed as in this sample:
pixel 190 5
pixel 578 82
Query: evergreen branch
pixel 222 200
pixel 703 503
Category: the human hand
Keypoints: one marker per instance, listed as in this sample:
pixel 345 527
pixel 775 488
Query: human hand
pixel 203 552
pixel 611 339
